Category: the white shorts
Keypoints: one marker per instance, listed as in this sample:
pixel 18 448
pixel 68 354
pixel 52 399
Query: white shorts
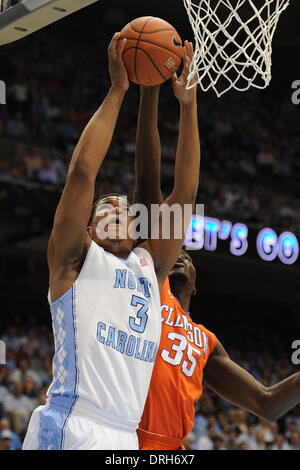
pixel 49 429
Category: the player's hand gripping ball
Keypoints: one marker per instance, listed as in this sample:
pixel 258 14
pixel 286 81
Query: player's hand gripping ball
pixel 153 51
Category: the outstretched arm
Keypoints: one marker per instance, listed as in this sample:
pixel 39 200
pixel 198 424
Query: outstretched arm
pixel 147 188
pixel 165 250
pixel 69 239
pixel 236 385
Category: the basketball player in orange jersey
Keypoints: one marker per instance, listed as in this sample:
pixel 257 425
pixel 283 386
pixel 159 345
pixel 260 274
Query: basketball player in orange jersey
pixel 188 353
pixel 105 291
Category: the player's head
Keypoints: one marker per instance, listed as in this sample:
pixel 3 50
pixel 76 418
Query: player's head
pixel 183 274
pixel 109 223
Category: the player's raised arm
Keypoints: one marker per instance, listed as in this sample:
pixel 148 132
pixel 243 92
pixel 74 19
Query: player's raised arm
pixel 236 385
pixel 165 250
pixel 68 241
pixel 187 163
pixel 147 188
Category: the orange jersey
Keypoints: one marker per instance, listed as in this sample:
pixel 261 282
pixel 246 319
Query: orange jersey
pixel 176 382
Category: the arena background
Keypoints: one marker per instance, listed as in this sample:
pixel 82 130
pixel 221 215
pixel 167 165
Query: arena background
pixel 55 79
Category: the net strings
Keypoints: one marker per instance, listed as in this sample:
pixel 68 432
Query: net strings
pixel 214 34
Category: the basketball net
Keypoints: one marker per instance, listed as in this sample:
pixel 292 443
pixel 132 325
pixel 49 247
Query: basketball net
pixel 233 42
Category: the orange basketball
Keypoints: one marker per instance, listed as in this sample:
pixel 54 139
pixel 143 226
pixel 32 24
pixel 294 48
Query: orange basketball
pixel 153 51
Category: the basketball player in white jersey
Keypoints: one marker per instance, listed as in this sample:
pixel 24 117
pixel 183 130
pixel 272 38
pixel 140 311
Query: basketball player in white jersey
pixel 104 292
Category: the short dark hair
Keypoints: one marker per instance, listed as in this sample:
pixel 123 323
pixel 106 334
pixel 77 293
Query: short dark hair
pixel 98 200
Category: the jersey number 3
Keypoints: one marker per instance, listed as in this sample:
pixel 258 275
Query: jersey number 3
pixel 140 324
pixel 187 367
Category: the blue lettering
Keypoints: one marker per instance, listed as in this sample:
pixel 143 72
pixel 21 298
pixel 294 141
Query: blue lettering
pixel 225 229
pixel 211 229
pixel 141 315
pixel 239 243
pixel 146 285
pixel 122 337
pixel 139 285
pixel 111 337
pixel 131 281
pixel 120 278
pixel 288 248
pixel 137 353
pixel 194 237
pixel 266 244
pixel 148 357
pixel 133 346
pixel 130 345
pixel 100 326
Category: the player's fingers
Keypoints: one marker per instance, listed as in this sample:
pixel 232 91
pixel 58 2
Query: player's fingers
pixel 194 78
pixel 186 67
pixel 113 43
pixel 190 50
pixel 174 77
pixel 185 49
pixel 121 45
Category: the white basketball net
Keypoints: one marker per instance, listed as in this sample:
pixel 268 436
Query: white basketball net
pixel 233 42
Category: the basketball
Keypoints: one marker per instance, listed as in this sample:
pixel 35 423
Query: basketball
pixel 153 51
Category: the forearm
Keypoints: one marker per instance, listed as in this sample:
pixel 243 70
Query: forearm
pixel 167 246
pixel 148 149
pixel 184 192
pixel 239 387
pixel 187 166
pixel 97 135
pixel 282 397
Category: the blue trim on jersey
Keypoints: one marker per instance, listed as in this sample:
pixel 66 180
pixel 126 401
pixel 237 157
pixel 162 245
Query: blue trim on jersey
pixel 76 369
pixel 63 390
pixel 75 345
pixel 52 421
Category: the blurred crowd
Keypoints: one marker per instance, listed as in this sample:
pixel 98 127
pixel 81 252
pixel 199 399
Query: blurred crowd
pixel 219 425
pixel 25 377
pixel 24 380
pixel 250 141
pixel 250 173
pixel 233 430
pixel 245 204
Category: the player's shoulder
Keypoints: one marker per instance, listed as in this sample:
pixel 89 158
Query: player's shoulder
pixel 143 252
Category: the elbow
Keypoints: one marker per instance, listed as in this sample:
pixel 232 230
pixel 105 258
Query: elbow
pixel 267 409
pixel 183 195
pixel 191 195
pixel 270 417
pixel 192 190
pixel 79 170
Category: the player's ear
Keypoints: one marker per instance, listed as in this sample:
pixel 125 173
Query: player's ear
pixel 135 242
pixel 194 291
pixel 89 230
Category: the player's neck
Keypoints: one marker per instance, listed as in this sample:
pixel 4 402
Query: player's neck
pixel 120 253
pixel 116 248
pixel 182 294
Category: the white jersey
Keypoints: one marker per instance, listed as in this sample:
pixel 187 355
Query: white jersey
pixel 107 330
